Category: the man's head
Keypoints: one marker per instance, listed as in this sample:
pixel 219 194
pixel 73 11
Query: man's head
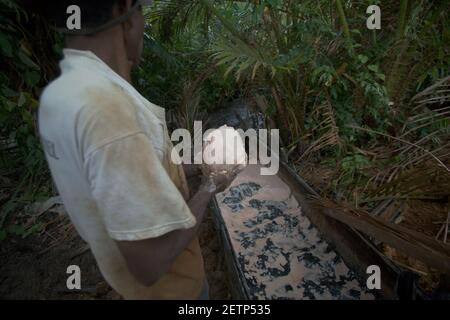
pixel 120 20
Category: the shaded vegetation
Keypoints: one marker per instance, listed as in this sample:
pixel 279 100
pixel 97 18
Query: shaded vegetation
pixel 28 59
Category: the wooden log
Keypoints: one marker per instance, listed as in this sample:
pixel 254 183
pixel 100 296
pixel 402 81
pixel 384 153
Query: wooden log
pixel 412 243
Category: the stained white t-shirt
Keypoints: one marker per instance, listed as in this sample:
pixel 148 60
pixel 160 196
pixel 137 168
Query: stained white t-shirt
pixel 109 154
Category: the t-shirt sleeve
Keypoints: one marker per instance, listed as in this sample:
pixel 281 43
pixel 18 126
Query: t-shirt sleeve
pixel 133 192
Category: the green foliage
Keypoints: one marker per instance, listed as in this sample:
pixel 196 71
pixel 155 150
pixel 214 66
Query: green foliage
pixel 333 87
pixel 26 67
pixel 325 74
pixel 169 68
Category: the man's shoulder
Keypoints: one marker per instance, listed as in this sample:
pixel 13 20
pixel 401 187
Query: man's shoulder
pixel 82 91
pixel 73 86
pixel 96 108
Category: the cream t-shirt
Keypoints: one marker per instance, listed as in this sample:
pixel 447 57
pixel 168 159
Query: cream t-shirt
pixel 108 150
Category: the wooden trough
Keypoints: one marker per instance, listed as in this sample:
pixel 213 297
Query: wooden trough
pixel 352 247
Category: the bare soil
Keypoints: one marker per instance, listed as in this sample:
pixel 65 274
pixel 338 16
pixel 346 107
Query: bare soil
pixel 35 267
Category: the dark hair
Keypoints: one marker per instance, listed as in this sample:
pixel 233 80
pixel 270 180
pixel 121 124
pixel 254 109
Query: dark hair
pixel 94 13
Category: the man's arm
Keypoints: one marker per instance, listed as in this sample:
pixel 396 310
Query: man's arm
pixel 148 260
pixel 142 203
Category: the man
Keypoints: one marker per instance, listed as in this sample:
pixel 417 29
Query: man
pixel 110 156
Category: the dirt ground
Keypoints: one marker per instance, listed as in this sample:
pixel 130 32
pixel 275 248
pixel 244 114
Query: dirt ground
pixel 35 267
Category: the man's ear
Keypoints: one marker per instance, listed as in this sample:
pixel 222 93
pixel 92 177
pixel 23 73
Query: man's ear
pixel 124 7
